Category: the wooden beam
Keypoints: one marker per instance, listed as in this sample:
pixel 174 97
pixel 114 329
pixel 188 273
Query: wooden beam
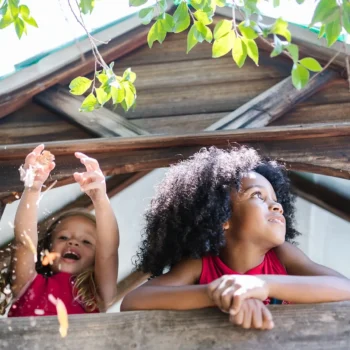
pixel 271 104
pixel 320 148
pixel 302 327
pixel 321 196
pixel 101 122
pixel 114 50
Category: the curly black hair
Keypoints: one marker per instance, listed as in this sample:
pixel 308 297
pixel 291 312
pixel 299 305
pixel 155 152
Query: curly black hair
pixel 186 216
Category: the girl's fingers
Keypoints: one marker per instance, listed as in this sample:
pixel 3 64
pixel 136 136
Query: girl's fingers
pixel 257 314
pixel 238 319
pixel 38 149
pixel 227 298
pixel 267 318
pixel 248 315
pixel 90 186
pixel 91 164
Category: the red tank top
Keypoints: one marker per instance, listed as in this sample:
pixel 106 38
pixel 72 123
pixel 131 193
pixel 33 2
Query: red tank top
pixel 35 300
pixel 213 268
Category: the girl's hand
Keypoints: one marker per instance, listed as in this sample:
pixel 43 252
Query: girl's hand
pixel 92 182
pixel 37 167
pixel 253 314
pixel 229 291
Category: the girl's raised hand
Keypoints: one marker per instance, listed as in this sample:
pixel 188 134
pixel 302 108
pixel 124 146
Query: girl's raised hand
pixel 253 314
pixel 92 182
pixel 229 291
pixel 37 167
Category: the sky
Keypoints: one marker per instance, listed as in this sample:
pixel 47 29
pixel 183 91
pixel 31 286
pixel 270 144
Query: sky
pixel 57 25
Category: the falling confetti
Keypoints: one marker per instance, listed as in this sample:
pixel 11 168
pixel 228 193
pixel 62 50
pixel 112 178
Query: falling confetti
pixel 61 314
pixel 31 245
pixel 49 257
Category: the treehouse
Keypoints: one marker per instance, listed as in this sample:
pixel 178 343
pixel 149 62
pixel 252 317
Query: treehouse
pixel 184 103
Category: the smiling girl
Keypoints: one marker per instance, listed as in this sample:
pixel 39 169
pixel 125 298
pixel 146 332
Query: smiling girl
pixel 77 260
pixel 223 223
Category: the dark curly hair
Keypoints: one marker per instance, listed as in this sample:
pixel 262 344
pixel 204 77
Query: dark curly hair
pixel 186 216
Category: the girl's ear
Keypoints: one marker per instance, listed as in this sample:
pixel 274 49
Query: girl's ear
pixel 226 226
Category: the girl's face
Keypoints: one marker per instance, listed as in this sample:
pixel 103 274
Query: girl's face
pixel 74 238
pixel 256 215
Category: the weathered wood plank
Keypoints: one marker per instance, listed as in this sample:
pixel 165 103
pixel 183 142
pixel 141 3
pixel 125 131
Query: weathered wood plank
pixel 175 125
pixel 115 49
pixel 197 99
pixel 321 196
pixel 302 327
pixel 37 124
pixel 272 103
pixel 323 149
pixel 101 122
pixel 203 71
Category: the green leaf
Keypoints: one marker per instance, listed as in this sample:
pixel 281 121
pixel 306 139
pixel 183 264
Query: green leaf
pixel 25 13
pixel 333 31
pixel 191 39
pixel 103 79
pixel 280 27
pixel 129 95
pixel 137 2
pixel 202 33
pixel 89 104
pixel 181 18
pixel 322 31
pixel 203 17
pixel 311 64
pixel 162 4
pixel 247 32
pixel 220 3
pixel 102 96
pixel 222 28
pixel 168 23
pixel 346 16
pixel 118 94
pixel 20 27
pixel 278 48
pixel 146 15
pixel 156 33
pixel 129 75
pixel 3 9
pixel 294 52
pixel 223 45
pixel 252 50
pixel 79 85
pixel 276 3
pixel 323 10
pixel 300 76
pixel 14 8
pixel 239 52
pixel 86 6
pixel 6 20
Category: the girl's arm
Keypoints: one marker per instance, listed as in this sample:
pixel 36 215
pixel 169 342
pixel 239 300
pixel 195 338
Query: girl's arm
pixel 26 220
pixel 297 263
pixel 93 184
pixel 174 290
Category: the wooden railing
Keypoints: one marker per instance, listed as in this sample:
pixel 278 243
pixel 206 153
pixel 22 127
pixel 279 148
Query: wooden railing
pixel 297 327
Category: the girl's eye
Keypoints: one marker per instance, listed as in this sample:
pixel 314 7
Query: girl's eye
pixel 257 194
pixel 63 238
pixel 86 242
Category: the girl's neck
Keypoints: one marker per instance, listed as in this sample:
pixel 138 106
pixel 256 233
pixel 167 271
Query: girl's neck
pixel 242 256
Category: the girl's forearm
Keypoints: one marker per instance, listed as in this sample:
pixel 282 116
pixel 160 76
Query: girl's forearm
pixel 308 289
pixel 167 298
pixel 26 219
pixel 107 228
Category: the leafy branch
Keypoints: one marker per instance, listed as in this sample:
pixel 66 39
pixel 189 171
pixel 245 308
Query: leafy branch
pixel 227 36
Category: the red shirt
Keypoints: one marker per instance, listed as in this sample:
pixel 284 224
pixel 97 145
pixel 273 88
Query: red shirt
pixel 213 268
pixel 35 300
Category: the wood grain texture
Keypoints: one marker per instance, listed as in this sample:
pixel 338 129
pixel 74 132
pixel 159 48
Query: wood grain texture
pixel 323 149
pixel 297 327
pixel 34 123
pixel 115 49
pixel 101 122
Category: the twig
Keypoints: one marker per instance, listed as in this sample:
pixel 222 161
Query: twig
pixel 344 47
pixel 326 66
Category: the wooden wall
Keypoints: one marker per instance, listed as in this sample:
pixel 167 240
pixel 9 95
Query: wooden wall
pixel 33 123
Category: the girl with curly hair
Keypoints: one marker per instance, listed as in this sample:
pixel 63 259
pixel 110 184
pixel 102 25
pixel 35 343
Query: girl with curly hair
pixel 223 223
pixel 77 260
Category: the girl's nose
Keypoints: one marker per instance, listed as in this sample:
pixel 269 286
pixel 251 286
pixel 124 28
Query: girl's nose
pixel 73 243
pixel 277 207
